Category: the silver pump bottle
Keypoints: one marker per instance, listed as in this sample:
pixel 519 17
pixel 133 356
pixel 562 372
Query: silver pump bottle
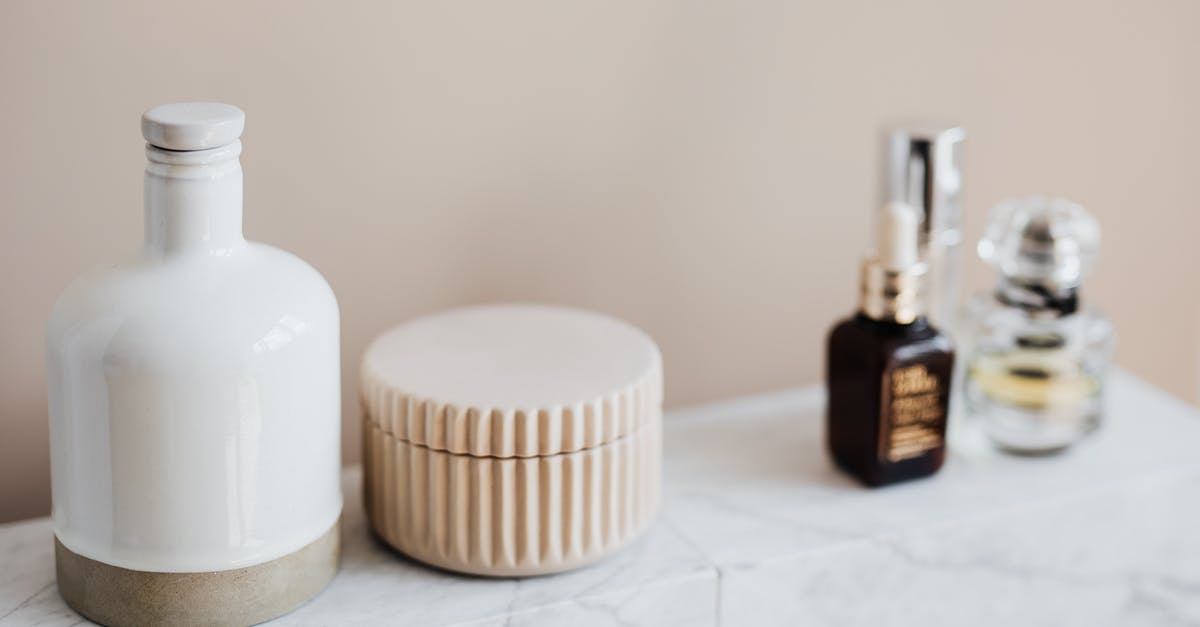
pixel 923 168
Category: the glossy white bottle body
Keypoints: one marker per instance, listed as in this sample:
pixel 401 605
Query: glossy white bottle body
pixel 194 391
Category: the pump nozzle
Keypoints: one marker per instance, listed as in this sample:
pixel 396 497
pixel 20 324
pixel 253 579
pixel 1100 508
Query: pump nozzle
pixel 899 226
pixel 891 278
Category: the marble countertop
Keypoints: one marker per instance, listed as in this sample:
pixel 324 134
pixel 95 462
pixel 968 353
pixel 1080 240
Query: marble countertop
pixel 758 529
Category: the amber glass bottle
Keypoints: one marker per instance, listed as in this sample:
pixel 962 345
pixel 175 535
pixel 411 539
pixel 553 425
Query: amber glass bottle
pixel 888 369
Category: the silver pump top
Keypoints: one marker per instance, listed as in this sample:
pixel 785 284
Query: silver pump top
pixel 923 168
pixel 1050 242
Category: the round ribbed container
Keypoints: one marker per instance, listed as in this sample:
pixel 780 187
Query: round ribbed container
pixel 512 439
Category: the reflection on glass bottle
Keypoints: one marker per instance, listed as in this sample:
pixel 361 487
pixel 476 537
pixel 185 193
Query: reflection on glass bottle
pixel 1036 367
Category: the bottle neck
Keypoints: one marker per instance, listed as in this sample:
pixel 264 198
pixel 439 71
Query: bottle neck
pixel 892 296
pixel 193 201
pixel 891 326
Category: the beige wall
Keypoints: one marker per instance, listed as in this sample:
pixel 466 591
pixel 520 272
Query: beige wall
pixel 703 169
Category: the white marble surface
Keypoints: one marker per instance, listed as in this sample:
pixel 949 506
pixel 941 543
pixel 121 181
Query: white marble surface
pixel 655 582
pixel 1104 534
pixel 757 529
pixel 1124 557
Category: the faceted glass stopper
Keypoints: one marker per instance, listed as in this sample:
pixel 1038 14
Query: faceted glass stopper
pixel 1045 241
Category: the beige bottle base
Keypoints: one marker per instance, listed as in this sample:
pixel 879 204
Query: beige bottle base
pixel 111 595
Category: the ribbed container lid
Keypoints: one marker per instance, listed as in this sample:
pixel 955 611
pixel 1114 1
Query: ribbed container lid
pixel 512 380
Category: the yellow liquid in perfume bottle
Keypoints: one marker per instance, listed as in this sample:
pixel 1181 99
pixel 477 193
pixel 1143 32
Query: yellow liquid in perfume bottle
pixel 1033 401
pixel 1045 380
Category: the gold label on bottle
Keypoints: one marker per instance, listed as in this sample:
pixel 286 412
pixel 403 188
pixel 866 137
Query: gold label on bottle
pixel 914 415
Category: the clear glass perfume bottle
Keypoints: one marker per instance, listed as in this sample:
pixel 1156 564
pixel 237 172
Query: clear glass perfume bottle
pixel 1037 361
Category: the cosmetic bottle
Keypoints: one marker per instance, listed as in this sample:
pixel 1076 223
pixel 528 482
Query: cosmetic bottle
pixel 1036 367
pixel 194 400
pixel 923 168
pixel 889 369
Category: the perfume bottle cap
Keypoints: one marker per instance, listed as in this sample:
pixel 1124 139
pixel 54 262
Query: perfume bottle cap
pixel 192 125
pixel 1050 242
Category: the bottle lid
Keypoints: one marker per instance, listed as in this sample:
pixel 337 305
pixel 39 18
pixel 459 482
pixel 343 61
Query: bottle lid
pixel 512 380
pixel 1051 242
pixel 192 125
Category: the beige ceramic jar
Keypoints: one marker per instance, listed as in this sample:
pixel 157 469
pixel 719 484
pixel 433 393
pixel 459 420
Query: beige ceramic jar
pixel 512 439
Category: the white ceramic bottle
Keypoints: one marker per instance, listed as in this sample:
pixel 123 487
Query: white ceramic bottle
pixel 194 397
